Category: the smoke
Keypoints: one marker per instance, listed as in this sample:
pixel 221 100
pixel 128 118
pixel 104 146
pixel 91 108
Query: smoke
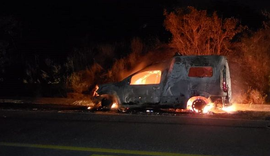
pixel 137 61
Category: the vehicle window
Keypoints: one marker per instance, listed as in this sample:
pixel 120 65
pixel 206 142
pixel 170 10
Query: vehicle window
pixel 146 77
pixel 200 72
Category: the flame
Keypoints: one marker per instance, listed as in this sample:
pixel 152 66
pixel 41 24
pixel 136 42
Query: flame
pixel 146 77
pixel 114 106
pixel 229 109
pixel 210 107
pixel 207 108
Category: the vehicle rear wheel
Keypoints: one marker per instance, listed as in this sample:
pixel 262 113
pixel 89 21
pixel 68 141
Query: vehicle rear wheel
pixel 198 105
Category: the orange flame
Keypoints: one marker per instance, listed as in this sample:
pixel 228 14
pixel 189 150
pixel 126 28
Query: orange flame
pixel 114 106
pixel 207 108
pixel 229 109
pixel 146 77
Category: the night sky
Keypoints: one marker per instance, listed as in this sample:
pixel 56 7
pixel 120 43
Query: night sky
pixel 57 27
pixel 32 32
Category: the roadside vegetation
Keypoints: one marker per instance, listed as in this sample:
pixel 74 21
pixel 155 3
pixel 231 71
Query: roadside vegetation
pixel 198 32
pixel 193 32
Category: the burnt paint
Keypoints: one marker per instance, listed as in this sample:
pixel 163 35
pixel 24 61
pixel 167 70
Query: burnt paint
pixel 175 87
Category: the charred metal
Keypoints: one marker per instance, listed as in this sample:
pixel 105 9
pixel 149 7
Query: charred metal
pixel 172 83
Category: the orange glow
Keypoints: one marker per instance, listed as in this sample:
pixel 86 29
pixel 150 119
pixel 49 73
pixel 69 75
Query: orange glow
pixel 146 77
pixel 200 72
pixel 207 108
pixel 229 109
pixel 114 106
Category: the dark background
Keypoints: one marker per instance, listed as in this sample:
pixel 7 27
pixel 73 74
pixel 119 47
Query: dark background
pixel 56 27
pixel 31 31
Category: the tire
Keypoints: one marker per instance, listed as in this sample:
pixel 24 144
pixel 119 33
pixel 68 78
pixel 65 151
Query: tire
pixel 106 103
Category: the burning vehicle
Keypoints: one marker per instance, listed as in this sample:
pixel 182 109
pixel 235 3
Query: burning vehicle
pixel 196 83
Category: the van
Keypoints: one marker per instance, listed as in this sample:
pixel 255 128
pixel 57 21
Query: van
pixel 183 82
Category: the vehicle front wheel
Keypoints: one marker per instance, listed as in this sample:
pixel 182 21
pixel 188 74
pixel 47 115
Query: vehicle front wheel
pixel 109 102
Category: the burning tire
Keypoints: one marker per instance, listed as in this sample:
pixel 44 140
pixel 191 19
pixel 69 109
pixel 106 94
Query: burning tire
pixel 198 105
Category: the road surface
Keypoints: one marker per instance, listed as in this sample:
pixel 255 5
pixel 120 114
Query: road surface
pixel 82 133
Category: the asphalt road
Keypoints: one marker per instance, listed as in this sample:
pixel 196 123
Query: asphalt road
pixel 81 133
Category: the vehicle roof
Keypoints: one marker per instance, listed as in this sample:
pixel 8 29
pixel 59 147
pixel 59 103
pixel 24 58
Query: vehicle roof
pixel 188 60
pixel 200 60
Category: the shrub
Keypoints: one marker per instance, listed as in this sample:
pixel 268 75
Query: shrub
pixel 194 32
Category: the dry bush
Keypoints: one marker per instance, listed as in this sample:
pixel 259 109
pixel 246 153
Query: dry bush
pixel 102 70
pixel 194 32
pixel 141 56
pixel 129 64
pixel 107 50
pixel 44 71
pixel 256 59
pixel 105 55
pixel 256 97
pixel 252 96
pixel 83 80
pixel 251 67
pixel 82 70
pixel 85 68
